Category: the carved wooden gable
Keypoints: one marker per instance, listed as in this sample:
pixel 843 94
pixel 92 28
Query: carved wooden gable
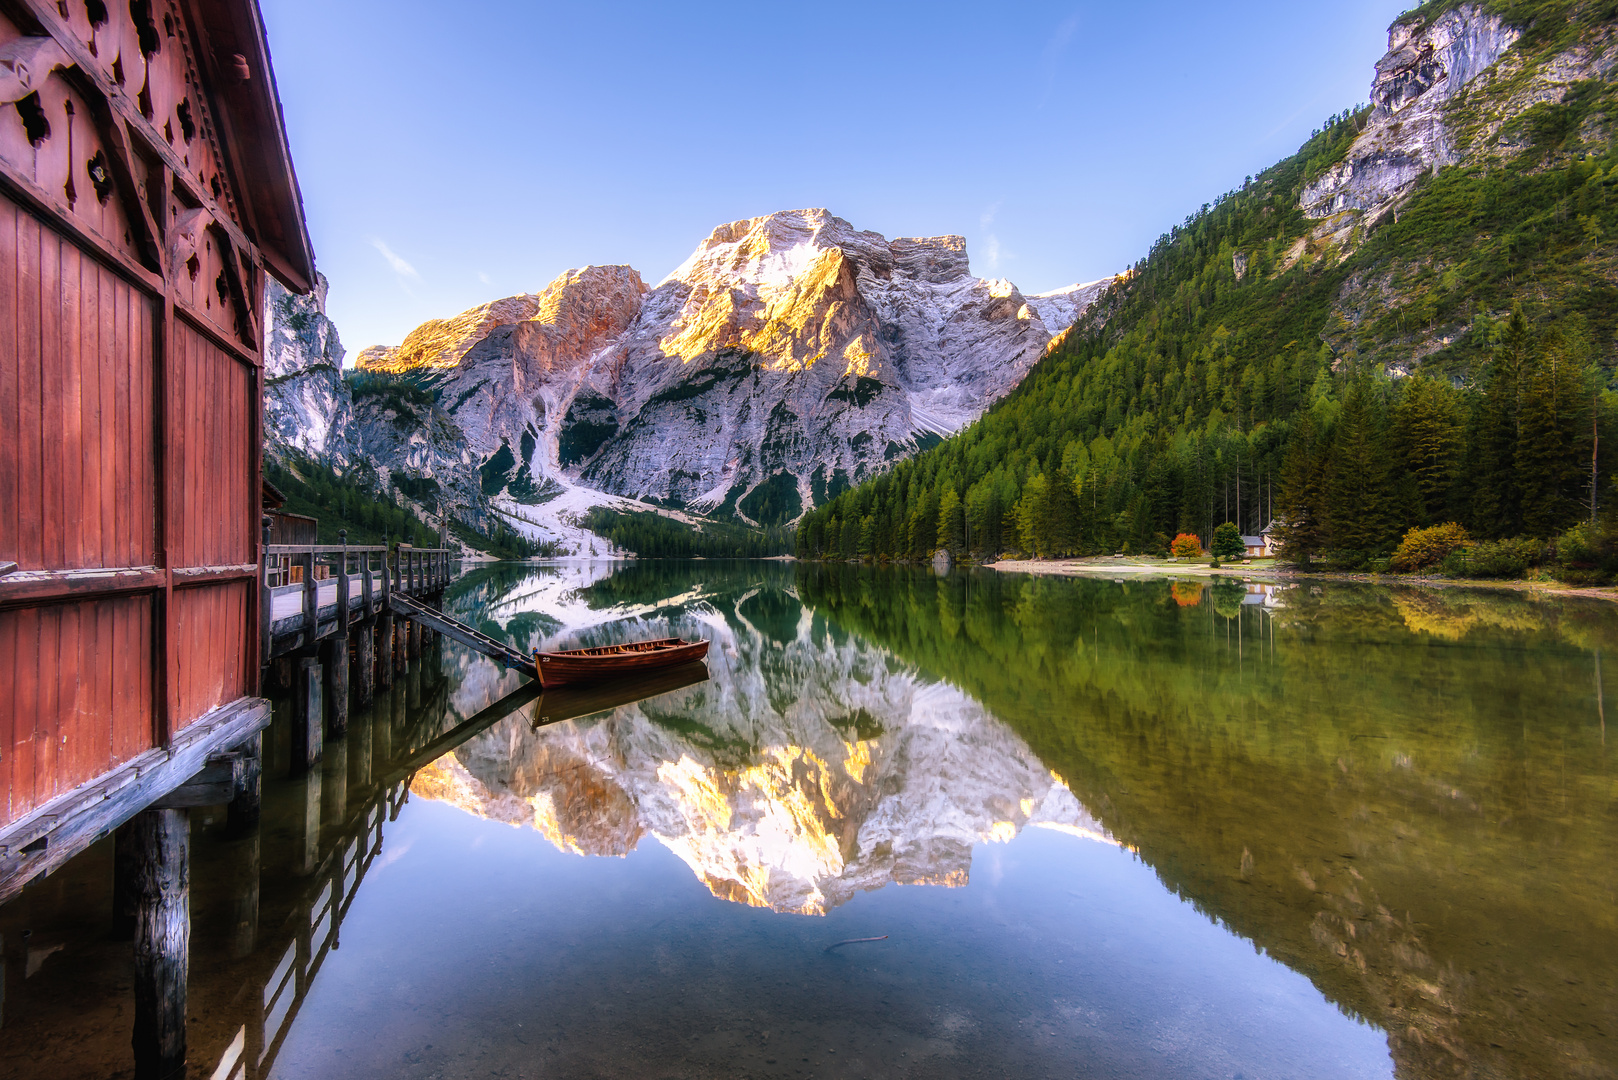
pixel 95 145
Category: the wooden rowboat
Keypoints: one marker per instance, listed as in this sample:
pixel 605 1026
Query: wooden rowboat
pixel 609 661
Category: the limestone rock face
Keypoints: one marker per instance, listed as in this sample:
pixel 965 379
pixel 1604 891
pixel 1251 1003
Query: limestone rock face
pixel 440 343
pixel 307 406
pixel 789 356
pixel 1408 135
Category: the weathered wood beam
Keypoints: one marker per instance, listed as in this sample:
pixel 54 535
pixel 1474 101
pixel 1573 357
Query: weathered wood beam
pixel 45 205
pixel 365 663
pixel 215 785
pixel 160 862
pixel 243 815
pixel 334 659
pixel 384 650
pixel 43 840
pixel 92 81
pixel 29 586
pixel 308 722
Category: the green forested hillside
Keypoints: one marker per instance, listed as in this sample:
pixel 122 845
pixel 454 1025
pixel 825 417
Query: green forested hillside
pixel 1452 365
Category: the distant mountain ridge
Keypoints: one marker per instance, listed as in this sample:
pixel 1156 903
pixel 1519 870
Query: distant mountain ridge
pixel 789 357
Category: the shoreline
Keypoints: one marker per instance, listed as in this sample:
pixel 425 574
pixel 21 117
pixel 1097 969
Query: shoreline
pixel 1103 567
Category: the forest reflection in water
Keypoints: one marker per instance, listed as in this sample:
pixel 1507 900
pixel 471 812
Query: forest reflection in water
pixel 1403 795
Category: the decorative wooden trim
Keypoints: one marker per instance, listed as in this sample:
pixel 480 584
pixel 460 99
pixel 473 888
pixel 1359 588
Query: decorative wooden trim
pixel 34 586
pixel 65 826
pixel 115 135
pixel 37 201
pixel 46 15
pixel 165 678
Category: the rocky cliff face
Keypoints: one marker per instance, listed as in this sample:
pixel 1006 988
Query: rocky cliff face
pixel 307 405
pixel 1451 90
pixel 789 356
pixel 810 768
pixel 1409 134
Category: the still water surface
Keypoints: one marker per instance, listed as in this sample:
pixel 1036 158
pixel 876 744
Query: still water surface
pixel 1101 829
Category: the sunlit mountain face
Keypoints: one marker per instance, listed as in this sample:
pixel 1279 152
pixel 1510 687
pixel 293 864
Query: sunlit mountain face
pixel 811 765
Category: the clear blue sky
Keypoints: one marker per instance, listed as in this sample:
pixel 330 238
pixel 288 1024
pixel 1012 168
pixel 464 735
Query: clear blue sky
pixel 453 153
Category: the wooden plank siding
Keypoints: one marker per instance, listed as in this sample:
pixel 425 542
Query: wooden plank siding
pixel 211 648
pixel 210 396
pixel 65 721
pixel 76 384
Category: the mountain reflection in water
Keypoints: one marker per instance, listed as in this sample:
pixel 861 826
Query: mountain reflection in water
pixel 1167 829
pixel 810 768
pixel 1402 794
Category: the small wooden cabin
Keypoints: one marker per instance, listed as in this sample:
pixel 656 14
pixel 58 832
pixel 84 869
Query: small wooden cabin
pixel 146 188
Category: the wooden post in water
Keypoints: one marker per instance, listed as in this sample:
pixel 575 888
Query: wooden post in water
pixel 401 639
pixel 244 900
pixel 309 857
pixel 243 813
pixel 384 650
pixel 308 724
pixel 359 762
pixel 334 784
pixel 334 653
pixel 334 658
pixel 365 664
pixel 160 866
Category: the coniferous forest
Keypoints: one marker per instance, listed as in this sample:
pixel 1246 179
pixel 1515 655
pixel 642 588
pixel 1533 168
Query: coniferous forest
pixel 1453 366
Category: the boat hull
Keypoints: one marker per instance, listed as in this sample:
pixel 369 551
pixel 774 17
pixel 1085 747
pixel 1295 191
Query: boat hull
pixel 597 665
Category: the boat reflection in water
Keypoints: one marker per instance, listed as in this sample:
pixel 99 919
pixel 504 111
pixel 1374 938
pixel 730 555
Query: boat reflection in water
pixel 1172 829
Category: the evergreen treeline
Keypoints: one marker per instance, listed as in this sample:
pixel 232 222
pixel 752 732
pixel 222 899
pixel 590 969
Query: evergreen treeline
pixel 1225 380
pixel 653 536
pixel 338 501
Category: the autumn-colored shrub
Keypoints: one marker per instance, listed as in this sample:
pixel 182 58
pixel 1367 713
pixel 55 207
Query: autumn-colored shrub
pixel 1186 593
pixel 1422 548
pixel 1186 546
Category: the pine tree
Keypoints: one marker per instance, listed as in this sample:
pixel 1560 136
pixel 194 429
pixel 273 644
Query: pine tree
pixel 1496 501
pixel 1427 429
pixel 1358 496
pixel 1553 436
pixel 1300 511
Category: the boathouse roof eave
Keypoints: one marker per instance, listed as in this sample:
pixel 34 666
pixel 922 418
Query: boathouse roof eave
pixel 261 157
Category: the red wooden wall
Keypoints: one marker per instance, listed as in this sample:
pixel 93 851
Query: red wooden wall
pixel 129 404
pixel 77 477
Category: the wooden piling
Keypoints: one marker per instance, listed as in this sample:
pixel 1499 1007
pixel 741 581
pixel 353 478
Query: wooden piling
pixel 308 723
pixel 160 868
pixel 359 761
pixel 401 646
pixel 309 855
pixel 365 664
pixel 243 813
pixel 334 658
pixel 244 898
pixel 334 783
pixel 384 650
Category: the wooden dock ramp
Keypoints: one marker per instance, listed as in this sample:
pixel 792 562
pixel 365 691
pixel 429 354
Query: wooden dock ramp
pixel 409 608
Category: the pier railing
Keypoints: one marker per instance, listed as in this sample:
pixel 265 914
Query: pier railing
pixel 312 591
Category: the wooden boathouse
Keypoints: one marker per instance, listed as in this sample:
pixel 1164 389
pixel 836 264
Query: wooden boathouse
pixel 146 189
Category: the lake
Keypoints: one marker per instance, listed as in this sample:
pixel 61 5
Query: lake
pixel 910 825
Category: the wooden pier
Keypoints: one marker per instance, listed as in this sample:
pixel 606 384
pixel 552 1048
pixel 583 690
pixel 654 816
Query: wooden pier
pixel 341 616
